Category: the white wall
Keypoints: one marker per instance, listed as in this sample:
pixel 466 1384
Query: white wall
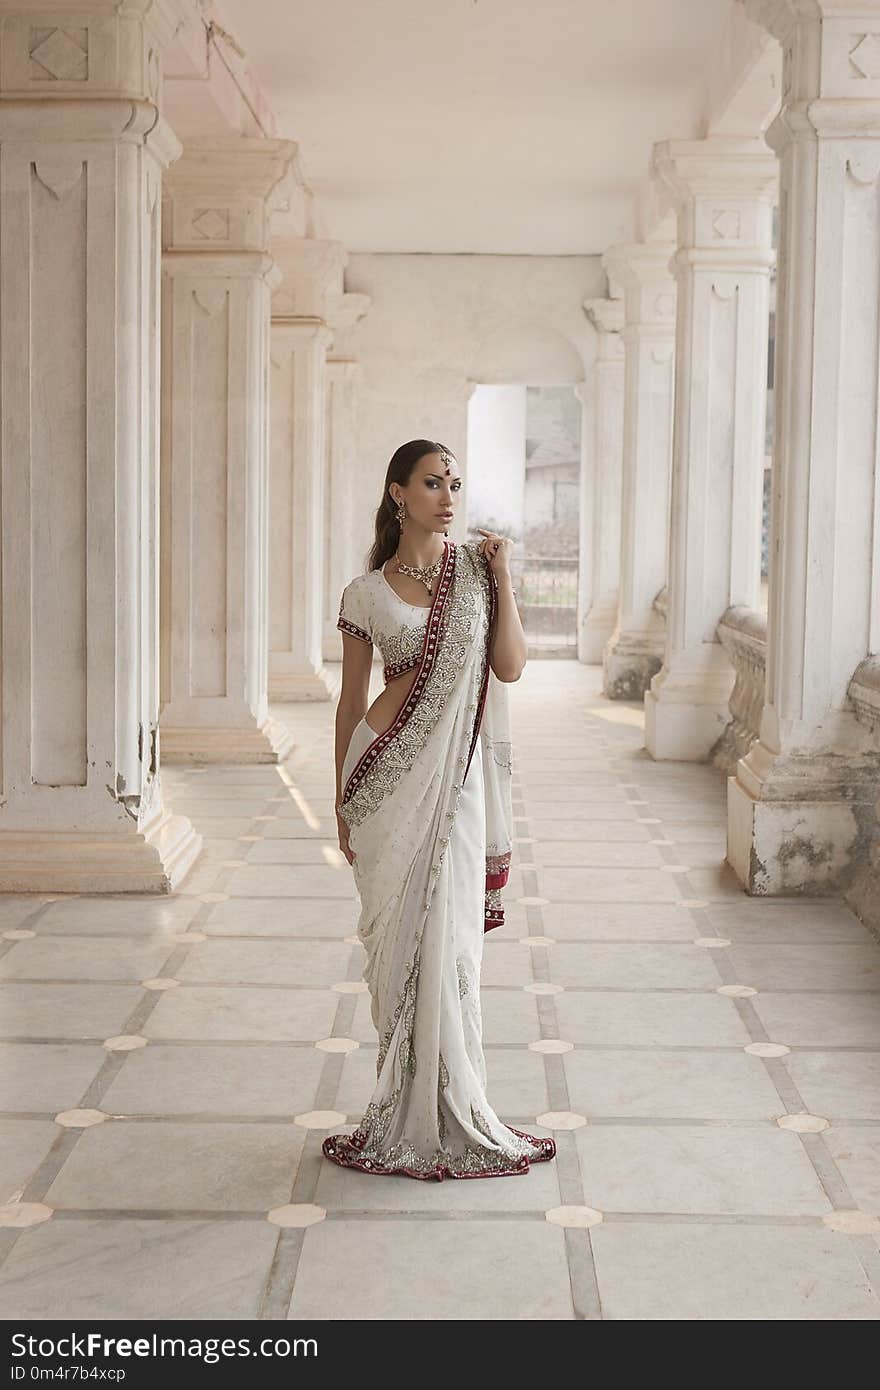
pixel 440 323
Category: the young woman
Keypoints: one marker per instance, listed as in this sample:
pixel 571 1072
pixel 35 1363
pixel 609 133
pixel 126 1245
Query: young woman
pixel 425 820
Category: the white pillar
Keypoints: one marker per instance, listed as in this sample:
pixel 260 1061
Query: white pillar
pixel 217 285
pixel 723 189
pixel 635 649
pixel 82 149
pixel 341 522
pixel 802 805
pixel 600 523
pixel 309 296
pixel 299 349
pixel 343 311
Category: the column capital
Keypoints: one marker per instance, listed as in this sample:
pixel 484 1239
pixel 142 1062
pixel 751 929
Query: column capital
pixel 221 192
pixel 347 309
pixel 312 270
pixel 642 270
pixel 606 315
pixel 608 318
pixel 830 48
pixel 58 49
pixel 638 264
pixel 723 169
pixel 295 333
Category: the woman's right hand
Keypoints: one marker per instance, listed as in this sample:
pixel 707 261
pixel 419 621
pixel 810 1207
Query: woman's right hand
pixel 342 829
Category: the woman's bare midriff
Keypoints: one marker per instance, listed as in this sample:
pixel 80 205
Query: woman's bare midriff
pixel 387 706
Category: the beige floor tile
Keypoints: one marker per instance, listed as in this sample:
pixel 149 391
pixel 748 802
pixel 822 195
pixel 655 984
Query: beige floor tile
pixel 728 1273
pixel 176 1167
pixel 242 1013
pixel 441 1270
pixel 726 1170
pixel 234 1080
pixel 144 1269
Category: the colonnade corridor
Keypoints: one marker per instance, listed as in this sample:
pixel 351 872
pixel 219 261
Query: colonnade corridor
pixel 707 1062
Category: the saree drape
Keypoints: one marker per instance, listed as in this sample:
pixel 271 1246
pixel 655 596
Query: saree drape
pixel 424 910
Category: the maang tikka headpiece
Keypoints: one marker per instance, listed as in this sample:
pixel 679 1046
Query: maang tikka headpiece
pixel 447 458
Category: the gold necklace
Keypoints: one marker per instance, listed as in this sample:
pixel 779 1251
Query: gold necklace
pixel 425 573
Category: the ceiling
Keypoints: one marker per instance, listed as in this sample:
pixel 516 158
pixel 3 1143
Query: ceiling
pixel 504 126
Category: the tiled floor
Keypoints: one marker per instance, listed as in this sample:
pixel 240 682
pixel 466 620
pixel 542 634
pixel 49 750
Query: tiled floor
pixel 708 1063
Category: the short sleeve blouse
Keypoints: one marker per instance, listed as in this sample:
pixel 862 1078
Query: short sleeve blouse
pixel 371 611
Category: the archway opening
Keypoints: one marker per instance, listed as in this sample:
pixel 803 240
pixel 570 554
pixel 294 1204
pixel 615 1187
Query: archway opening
pixel 524 453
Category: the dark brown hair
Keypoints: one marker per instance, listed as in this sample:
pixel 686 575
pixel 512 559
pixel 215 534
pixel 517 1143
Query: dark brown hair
pixel 399 470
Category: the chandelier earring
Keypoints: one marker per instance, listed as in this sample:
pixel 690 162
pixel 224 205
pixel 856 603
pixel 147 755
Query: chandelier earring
pixel 401 513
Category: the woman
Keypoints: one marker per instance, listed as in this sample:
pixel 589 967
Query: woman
pixel 424 817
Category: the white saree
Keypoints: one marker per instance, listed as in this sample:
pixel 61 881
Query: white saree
pixel 428 806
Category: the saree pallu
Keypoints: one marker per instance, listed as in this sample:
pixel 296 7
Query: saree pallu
pixel 428 806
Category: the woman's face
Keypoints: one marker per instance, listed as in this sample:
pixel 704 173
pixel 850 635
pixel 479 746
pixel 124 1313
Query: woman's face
pixel 431 495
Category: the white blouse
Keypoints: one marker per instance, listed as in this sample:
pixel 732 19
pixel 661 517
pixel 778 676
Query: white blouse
pixel 371 610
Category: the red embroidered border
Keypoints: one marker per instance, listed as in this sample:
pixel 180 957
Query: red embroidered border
pixel 332 1150
pixel 397 668
pixel 481 703
pixel 494 917
pixel 345 625
pixel 429 652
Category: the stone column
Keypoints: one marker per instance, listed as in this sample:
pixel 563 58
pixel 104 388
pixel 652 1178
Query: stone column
pixel 801 807
pixel 723 189
pixel 343 552
pixel 635 649
pixel 342 524
pixel 82 149
pixel 299 349
pixel 308 306
pixel 217 286
pixel 602 553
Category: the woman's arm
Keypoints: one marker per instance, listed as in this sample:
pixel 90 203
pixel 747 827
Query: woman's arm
pixel 357 659
pixel 508 649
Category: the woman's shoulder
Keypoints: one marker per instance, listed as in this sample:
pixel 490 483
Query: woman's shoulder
pixel 361 581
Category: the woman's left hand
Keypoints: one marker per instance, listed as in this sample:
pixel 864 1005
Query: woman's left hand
pixel 497 550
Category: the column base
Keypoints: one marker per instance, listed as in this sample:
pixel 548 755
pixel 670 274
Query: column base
pixel 269 742
pixel 688 710
pixel 286 684
pixel 630 662
pixel 800 825
pixel 154 859
pixel 596 632
pixel 680 732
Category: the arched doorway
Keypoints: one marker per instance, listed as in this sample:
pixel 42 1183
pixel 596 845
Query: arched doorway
pixel 524 448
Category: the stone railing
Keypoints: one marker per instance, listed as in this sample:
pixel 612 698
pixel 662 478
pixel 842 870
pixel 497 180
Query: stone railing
pixel 742 633
pixel 864 692
pixel 863 894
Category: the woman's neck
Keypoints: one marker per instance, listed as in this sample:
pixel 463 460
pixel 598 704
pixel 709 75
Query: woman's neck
pixel 422 552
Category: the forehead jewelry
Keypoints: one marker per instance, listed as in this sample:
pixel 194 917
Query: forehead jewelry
pixel 447 458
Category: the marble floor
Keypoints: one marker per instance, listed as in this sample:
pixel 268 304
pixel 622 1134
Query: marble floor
pixel 709 1065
